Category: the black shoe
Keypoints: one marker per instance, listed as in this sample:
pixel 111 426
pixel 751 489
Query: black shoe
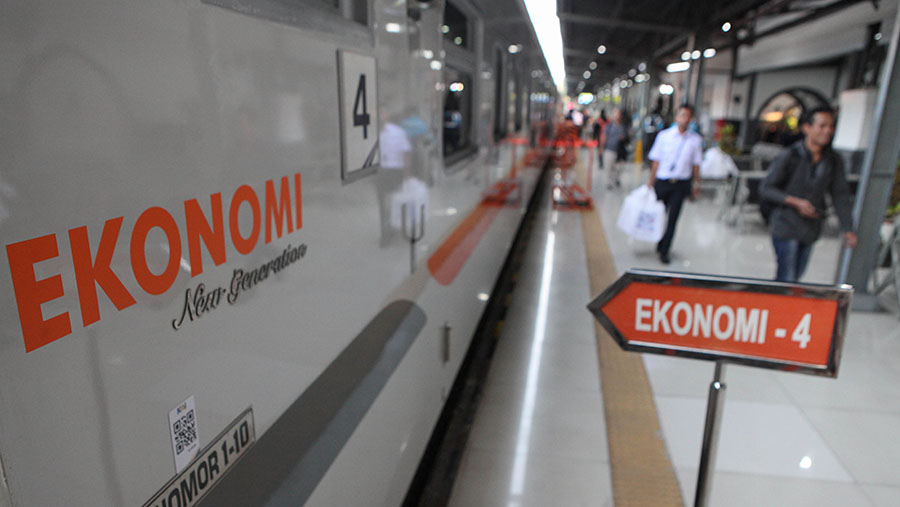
pixel 664 258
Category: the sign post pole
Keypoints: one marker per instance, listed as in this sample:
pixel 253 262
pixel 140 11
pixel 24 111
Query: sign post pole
pixel 789 327
pixel 714 406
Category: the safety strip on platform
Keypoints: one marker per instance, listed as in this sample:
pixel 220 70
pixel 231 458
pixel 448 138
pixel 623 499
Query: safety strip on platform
pixel 642 473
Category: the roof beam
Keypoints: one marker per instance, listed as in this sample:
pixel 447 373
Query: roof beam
pixel 620 23
pixel 812 16
pixel 604 58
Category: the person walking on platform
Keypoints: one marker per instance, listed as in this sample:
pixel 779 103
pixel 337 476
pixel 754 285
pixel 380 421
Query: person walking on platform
pixel 797 181
pixel 599 125
pixel 613 140
pixel 675 171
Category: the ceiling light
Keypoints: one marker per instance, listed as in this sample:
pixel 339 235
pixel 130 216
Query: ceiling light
pixel 593 65
pixel 514 48
pixel 695 55
pixel 445 29
pixel 642 67
pixel 392 27
pixel 686 55
pixel 601 49
pixel 666 89
pixel 678 67
pixel 726 26
pixel 436 65
pixel 587 74
pixel 457 41
pixel 878 36
pixel 632 73
pixel 709 53
pixel 546 26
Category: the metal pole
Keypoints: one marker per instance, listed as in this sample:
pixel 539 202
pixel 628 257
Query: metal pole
pixel 876 181
pixel 412 247
pixel 710 436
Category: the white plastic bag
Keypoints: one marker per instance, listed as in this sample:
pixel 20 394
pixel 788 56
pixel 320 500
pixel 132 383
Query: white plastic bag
pixel 717 164
pixel 414 194
pixel 642 216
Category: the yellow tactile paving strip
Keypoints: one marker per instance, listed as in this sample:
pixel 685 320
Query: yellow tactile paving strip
pixel 642 473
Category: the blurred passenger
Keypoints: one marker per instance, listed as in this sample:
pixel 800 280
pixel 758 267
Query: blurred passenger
pixel 797 182
pixel 599 125
pixel 395 149
pixel 614 140
pixel 675 158
pixel 651 126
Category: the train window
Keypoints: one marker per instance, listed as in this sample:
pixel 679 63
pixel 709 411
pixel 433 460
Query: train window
pixel 456 26
pixel 457 112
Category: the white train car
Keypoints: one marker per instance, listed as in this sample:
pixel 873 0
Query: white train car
pixel 204 287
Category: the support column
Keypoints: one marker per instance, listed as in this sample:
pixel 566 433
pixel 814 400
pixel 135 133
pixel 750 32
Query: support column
pixel 748 111
pixel 876 181
pixel 688 74
pixel 698 87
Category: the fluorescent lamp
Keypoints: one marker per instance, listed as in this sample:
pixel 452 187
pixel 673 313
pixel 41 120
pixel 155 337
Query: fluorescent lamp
pixel 678 67
pixel 393 27
pixel 545 22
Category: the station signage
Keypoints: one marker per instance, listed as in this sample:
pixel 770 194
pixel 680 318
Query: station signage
pixel 759 323
pixel 357 106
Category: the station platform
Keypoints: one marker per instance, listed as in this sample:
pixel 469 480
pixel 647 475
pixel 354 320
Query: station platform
pixel 566 418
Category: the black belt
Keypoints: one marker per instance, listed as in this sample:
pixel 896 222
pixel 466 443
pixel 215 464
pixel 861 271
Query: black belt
pixel 674 180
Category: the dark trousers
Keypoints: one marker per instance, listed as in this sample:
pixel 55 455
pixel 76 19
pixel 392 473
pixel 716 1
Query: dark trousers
pixel 792 257
pixel 672 194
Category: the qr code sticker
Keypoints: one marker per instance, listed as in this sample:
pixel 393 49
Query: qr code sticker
pixel 185 431
pixel 185 436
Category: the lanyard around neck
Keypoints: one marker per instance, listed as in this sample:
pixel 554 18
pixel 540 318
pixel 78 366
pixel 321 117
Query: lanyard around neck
pixel 678 153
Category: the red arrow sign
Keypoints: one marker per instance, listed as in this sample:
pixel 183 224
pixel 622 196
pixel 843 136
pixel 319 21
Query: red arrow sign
pixel 755 322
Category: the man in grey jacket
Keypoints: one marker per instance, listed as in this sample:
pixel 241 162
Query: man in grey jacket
pixel 796 183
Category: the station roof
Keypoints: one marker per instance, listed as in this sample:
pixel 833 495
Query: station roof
pixel 654 32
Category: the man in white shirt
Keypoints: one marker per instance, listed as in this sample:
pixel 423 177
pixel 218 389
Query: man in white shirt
pixel 675 171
